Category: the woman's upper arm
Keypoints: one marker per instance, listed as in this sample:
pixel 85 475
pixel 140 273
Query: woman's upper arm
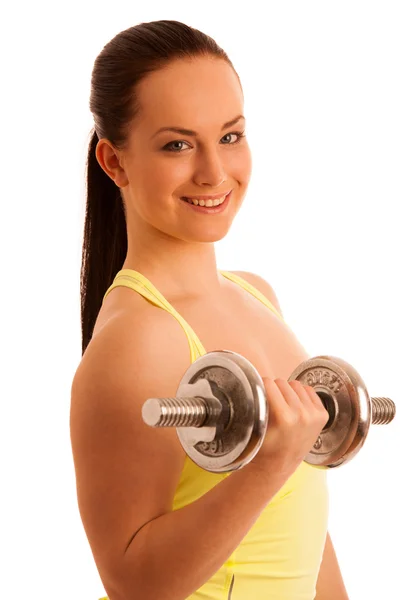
pixel 126 472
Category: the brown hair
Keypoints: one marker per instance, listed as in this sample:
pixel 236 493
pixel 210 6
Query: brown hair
pixel 125 61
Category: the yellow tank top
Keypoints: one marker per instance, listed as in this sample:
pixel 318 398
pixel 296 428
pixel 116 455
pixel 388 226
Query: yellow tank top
pixel 280 556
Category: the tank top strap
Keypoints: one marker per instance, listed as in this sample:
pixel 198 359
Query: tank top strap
pixel 139 283
pixel 250 288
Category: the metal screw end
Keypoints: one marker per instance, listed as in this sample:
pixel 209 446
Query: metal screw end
pixel 174 412
pixel 383 411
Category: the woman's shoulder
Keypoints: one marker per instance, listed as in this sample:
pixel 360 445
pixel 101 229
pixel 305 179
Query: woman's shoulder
pixel 127 325
pixel 119 306
pixel 261 285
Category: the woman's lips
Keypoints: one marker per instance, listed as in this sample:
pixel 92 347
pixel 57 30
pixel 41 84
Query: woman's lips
pixel 210 209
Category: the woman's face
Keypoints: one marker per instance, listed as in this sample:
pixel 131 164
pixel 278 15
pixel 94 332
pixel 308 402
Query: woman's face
pixel 201 95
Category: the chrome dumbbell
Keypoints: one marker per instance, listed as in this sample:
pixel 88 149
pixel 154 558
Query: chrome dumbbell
pixel 221 410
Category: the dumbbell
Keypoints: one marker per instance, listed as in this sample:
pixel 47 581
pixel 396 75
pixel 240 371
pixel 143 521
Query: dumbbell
pixel 221 410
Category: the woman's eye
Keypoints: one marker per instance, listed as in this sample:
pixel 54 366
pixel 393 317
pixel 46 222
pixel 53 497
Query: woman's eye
pixel 237 134
pixel 171 146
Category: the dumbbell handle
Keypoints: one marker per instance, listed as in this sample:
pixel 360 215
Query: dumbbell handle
pixel 193 412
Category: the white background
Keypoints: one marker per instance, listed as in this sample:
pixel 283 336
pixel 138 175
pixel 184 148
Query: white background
pixel 320 222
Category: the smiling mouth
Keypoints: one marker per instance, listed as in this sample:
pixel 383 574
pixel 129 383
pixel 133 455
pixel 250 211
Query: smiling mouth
pixel 206 203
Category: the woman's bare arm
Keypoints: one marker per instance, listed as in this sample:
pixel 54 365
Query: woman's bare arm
pixel 127 472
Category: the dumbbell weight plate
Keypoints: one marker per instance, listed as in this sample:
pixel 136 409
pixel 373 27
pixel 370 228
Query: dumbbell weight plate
pixel 234 381
pixel 345 396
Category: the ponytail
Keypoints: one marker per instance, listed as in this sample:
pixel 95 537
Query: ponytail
pixel 104 240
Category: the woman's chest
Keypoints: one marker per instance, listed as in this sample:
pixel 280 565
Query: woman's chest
pixel 248 327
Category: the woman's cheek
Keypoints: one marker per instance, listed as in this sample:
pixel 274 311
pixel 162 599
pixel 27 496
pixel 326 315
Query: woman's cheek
pixel 241 166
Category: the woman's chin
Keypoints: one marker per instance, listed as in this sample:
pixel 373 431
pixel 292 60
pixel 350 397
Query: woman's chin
pixel 209 235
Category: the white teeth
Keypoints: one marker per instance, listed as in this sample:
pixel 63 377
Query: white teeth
pixel 207 203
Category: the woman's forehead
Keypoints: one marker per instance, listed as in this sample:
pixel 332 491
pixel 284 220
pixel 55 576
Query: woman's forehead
pixel 191 95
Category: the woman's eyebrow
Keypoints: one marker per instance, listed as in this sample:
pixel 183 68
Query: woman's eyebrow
pixel 194 133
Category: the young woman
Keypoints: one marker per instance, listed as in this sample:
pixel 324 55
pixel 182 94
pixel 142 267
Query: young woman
pixel 168 170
